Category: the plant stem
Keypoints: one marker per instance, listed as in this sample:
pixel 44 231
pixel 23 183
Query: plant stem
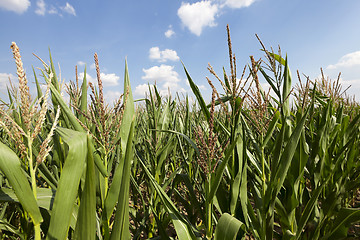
pixel 106 178
pixel 32 169
pixel 37 232
pixel 208 209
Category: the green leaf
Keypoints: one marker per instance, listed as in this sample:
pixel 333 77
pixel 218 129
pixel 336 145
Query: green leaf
pixel 197 94
pixel 38 88
pixel 286 89
pixel 45 197
pixel 271 82
pixel 4 225
pixel 182 227
pixel 228 228
pixel 308 209
pixel 344 218
pixel 121 222
pixel 191 142
pixel 68 183
pixel 45 200
pixel 83 101
pixel 271 128
pixel 86 221
pixel 286 157
pixel 129 113
pixel 54 79
pixel 10 166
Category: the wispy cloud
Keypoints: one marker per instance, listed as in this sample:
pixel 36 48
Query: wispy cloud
pixel 198 15
pixel 163 56
pixel 81 63
pixel 18 6
pixel 170 32
pixel 348 60
pixel 41 7
pixel 53 10
pixel 69 9
pixel 4 80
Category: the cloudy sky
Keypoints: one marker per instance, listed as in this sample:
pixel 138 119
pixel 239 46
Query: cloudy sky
pixel 156 35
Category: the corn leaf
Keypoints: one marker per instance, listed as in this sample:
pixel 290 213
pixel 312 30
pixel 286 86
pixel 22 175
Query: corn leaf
pixel 198 95
pixel 10 166
pixel 121 222
pixel 182 227
pixel 86 221
pixel 129 113
pixel 83 101
pixel 344 218
pixel 45 197
pixel 68 183
pixel 228 228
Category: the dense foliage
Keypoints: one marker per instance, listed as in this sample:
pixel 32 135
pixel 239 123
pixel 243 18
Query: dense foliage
pixel 250 164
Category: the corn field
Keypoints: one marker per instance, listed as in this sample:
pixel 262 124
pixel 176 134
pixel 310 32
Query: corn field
pixel 249 164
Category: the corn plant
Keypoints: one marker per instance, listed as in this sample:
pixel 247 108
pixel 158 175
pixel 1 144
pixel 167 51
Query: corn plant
pixel 250 164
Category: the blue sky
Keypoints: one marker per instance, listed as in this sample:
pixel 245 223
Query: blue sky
pixel 156 35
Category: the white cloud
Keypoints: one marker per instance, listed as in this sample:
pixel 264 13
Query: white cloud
pixel 4 80
pixel 53 10
pixel 69 9
pixel 238 3
pixel 173 88
pixel 198 15
pixel 108 80
pixel 141 90
pixel 81 63
pixel 41 7
pixel 154 53
pixel 162 56
pixel 162 73
pixel 112 96
pixel 355 83
pixel 169 54
pixel 18 6
pixel 169 33
pixel 202 87
pixel 348 60
pixel 165 77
